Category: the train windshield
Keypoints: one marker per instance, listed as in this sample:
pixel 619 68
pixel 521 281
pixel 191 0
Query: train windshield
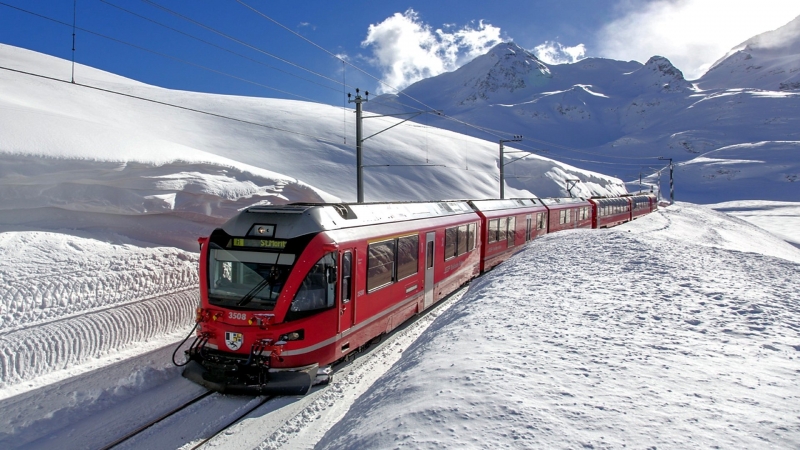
pixel 246 279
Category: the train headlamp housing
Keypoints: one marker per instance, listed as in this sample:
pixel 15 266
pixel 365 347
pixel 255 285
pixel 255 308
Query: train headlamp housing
pixel 262 230
pixel 297 335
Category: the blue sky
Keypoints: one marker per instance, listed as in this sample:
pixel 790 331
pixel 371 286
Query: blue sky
pixel 397 42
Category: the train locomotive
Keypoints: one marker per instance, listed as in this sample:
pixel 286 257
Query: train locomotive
pixel 288 290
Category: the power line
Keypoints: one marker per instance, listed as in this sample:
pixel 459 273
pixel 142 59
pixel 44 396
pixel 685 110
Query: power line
pixel 174 58
pixel 215 45
pixel 399 92
pixel 159 102
pixel 181 16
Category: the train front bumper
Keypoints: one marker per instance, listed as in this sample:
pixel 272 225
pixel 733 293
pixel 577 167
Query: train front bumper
pixel 238 378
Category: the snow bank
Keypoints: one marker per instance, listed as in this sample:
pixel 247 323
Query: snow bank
pixel 670 331
pixel 66 299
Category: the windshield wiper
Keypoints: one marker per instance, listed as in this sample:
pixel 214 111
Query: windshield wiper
pixel 256 289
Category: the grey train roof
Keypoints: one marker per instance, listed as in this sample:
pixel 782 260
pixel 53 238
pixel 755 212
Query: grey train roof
pixel 303 218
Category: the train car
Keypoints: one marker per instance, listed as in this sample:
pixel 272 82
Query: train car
pixel 507 224
pixel 643 204
pixel 288 290
pixel 609 212
pixel 567 213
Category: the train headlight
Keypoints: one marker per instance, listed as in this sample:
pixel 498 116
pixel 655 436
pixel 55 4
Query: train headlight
pixel 293 336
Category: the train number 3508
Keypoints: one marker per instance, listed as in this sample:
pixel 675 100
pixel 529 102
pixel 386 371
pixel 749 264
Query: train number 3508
pixel 237 315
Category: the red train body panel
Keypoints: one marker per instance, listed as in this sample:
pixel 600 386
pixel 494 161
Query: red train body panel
pixel 286 290
pixel 643 204
pixel 568 213
pixel 508 224
pixel 609 212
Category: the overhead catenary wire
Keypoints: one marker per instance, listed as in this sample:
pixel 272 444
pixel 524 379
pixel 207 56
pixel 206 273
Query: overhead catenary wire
pixel 476 127
pixel 174 58
pixel 159 102
pixel 215 45
pixel 238 41
pixel 343 82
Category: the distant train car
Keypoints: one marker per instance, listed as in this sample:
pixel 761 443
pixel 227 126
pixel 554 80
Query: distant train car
pixel 609 212
pixel 567 213
pixel 643 204
pixel 288 289
pixel 508 224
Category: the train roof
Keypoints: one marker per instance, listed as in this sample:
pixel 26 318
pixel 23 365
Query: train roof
pixel 562 201
pixel 297 219
pixel 515 203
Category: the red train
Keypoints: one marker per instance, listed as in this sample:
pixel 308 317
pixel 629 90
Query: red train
pixel 288 290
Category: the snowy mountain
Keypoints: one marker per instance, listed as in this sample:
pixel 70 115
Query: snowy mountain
pixel 620 117
pixel 769 61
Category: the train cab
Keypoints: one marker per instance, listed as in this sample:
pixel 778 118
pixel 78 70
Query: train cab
pixel 286 290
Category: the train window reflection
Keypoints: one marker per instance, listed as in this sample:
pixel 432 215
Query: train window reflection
pixel 317 291
pixel 245 279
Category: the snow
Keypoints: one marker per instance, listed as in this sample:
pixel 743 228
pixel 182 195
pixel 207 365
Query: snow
pixel 679 329
pixel 671 331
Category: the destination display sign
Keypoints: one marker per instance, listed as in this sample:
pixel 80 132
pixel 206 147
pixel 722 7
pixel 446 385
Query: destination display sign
pixel 260 243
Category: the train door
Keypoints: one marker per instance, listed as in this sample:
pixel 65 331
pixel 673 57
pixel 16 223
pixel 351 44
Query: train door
pixel 528 223
pixel 430 247
pixel 347 307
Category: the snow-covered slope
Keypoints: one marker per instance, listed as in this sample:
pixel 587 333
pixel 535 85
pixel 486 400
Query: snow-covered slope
pixel 677 330
pixel 620 117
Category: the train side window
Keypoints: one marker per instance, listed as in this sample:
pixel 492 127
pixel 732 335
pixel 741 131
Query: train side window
pixel 380 264
pixel 568 216
pixel 512 231
pixel 462 240
pixel 540 220
pixel 347 264
pixel 407 256
pixel 429 254
pixel 562 216
pixel 450 241
pixel 494 230
pixel 317 291
pixel 471 236
pixel 503 229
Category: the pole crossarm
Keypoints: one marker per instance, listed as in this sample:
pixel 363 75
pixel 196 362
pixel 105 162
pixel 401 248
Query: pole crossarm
pixel 416 113
pixel 517 159
pixel 387 129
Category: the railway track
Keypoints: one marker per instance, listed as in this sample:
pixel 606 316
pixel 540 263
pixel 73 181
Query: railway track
pixel 157 420
pixel 233 422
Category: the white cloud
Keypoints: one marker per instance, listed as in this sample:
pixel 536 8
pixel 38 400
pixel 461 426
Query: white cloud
pixel 408 50
pixel 693 34
pixel 554 53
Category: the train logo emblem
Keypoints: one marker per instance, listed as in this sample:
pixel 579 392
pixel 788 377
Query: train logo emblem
pixel 233 340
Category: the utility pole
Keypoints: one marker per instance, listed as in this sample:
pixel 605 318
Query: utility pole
pixel 359 165
pixel 671 180
pixel 74 17
pixel 517 138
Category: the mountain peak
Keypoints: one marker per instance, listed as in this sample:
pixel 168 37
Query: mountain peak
pixel 506 68
pixel 669 77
